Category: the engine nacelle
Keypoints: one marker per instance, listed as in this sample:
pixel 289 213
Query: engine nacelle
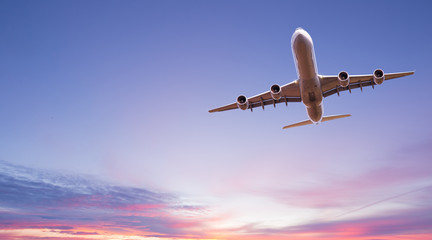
pixel 276 92
pixel 378 76
pixel 242 102
pixel 344 79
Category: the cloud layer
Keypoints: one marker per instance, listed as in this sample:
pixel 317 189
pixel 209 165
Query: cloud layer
pixel 40 204
pixel 78 205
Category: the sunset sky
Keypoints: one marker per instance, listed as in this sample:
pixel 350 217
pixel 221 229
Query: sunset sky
pixel 105 131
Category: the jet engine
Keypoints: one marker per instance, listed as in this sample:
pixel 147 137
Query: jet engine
pixel 276 92
pixel 343 78
pixel 378 76
pixel 242 102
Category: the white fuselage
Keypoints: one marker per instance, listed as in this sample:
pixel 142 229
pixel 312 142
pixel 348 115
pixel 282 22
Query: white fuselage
pixel 310 87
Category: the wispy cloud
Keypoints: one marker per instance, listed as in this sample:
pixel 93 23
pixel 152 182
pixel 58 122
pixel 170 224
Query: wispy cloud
pixel 384 200
pixel 406 224
pixel 78 205
pixel 37 204
pixel 396 173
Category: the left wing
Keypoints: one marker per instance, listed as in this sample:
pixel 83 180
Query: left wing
pixel 289 93
pixel 330 84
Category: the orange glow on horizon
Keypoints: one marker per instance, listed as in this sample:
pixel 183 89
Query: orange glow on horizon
pixel 89 234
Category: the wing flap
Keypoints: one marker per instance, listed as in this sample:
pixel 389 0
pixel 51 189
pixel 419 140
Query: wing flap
pixel 258 103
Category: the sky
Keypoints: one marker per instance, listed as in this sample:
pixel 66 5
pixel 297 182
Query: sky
pixel 105 131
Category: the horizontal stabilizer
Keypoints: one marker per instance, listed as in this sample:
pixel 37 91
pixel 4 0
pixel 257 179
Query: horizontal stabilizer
pixel 303 123
pixel 333 117
pixel 324 119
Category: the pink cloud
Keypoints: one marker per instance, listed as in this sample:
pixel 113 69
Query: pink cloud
pixel 397 173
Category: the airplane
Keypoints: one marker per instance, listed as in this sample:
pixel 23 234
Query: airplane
pixel 310 87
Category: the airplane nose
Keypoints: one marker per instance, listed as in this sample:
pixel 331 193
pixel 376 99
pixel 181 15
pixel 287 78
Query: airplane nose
pixel 300 32
pixel 301 37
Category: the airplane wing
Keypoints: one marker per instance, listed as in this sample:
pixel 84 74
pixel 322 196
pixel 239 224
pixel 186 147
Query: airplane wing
pixel 330 84
pixel 290 93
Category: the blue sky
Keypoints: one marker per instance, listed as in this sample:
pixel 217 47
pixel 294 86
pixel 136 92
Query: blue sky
pixel 120 91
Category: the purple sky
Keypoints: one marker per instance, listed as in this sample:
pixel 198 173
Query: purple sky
pixel 104 129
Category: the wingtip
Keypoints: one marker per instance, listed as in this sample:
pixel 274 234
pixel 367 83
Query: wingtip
pixel 410 72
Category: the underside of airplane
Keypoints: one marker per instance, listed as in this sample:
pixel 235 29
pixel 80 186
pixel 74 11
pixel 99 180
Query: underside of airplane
pixel 310 87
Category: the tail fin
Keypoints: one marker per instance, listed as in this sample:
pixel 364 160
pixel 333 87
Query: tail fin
pixel 324 119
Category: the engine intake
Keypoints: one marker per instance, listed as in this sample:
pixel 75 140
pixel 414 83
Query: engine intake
pixel 378 76
pixel 242 102
pixel 344 79
pixel 276 92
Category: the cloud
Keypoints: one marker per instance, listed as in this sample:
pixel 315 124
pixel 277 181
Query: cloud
pixel 406 222
pixel 384 200
pixel 36 204
pixel 398 172
pixel 80 205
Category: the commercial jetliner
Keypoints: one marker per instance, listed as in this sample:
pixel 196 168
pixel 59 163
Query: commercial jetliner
pixel 310 87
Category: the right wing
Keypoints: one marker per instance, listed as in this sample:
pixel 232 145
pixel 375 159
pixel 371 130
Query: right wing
pixel 330 84
pixel 290 93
